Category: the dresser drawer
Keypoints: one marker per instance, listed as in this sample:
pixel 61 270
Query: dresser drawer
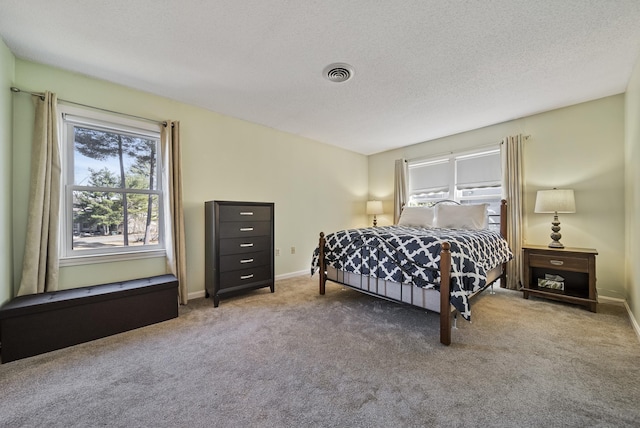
pixel 244 213
pixel 237 229
pixel 244 245
pixel 244 261
pixel 576 264
pixel 245 276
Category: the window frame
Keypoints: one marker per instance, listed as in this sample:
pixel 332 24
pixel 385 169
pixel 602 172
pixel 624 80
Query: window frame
pixel 69 118
pixel 455 193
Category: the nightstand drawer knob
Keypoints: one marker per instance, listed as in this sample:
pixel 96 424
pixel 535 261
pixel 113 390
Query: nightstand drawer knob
pixel 246 276
pixel 246 245
pixel 246 261
pixel 246 213
pixel 556 262
pixel 246 229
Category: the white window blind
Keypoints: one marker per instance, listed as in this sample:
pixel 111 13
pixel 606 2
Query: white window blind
pixel 478 170
pixel 430 176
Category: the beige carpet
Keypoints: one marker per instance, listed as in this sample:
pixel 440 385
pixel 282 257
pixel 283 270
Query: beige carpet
pixel 297 359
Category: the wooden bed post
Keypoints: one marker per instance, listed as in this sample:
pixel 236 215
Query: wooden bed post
pixel 503 233
pixel 445 294
pixel 321 264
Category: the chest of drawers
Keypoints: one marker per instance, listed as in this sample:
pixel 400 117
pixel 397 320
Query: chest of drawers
pixel 239 247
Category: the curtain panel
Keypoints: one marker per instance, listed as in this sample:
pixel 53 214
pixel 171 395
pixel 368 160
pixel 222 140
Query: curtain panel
pixel 400 189
pixel 40 263
pixel 174 224
pixel 512 188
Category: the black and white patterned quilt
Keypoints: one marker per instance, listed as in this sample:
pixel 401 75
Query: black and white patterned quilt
pixel 411 255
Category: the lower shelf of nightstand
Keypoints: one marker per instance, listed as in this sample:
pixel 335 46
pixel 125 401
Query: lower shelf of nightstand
pixel 562 297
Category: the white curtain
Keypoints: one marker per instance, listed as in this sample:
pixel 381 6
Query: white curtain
pixel 40 263
pixel 400 189
pixel 512 185
pixel 174 224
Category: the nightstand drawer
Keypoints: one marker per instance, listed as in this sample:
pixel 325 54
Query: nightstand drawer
pixel 575 264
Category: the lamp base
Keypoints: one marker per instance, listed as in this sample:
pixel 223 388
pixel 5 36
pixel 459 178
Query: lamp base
pixel 555 233
pixel 556 244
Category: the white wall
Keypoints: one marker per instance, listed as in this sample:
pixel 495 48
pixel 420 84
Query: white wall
pixel 314 186
pixel 632 195
pixel 579 147
pixel 7 67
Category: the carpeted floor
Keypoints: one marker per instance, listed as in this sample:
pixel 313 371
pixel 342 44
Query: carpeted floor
pixel 297 359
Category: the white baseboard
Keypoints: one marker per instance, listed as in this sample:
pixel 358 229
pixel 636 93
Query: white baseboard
pixel 202 293
pixel 293 274
pixel 611 300
pixel 622 302
pixel 634 323
pixel 196 294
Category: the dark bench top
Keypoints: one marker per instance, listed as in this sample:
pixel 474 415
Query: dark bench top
pixel 64 298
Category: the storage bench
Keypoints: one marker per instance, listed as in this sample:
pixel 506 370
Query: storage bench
pixel 39 323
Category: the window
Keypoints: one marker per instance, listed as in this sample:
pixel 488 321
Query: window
pixel 467 178
pixel 112 199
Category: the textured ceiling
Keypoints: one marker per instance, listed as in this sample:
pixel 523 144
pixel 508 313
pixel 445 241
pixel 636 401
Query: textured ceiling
pixel 423 69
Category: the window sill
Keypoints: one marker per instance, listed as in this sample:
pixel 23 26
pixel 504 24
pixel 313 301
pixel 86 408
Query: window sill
pixel 109 258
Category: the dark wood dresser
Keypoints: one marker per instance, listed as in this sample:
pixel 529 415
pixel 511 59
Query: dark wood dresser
pixel 239 247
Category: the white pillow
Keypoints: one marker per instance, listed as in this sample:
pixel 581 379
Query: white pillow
pixel 416 216
pixel 472 217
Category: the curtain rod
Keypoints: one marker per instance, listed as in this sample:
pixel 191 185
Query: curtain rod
pixel 442 154
pixel 41 95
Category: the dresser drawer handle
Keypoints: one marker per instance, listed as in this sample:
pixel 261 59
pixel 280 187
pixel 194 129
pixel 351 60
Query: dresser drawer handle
pixel 246 213
pixel 246 245
pixel 246 229
pixel 556 262
pixel 246 261
pixel 246 276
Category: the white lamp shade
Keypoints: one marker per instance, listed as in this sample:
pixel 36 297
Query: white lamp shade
pixel 374 207
pixel 555 201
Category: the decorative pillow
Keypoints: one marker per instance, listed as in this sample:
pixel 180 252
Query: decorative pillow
pixel 416 216
pixel 472 217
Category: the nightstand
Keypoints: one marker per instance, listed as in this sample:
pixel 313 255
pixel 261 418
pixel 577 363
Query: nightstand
pixel 564 274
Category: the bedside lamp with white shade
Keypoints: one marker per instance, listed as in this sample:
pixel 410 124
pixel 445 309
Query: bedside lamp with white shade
pixel 555 201
pixel 374 208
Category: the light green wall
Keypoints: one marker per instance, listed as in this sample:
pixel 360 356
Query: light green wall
pixel 7 67
pixel 579 147
pixel 320 187
pixel 315 187
pixel 632 196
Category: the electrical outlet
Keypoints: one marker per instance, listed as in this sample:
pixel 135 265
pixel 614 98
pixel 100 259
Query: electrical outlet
pixel 277 251
pixel 293 250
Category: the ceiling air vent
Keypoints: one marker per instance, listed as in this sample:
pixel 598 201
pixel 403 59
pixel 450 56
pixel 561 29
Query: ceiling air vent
pixel 338 72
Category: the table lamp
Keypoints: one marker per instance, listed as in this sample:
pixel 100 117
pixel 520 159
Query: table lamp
pixel 555 201
pixel 374 208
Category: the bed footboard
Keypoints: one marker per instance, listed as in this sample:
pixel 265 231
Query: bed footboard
pixel 445 285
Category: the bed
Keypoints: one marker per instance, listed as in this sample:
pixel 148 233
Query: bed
pixel 436 258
